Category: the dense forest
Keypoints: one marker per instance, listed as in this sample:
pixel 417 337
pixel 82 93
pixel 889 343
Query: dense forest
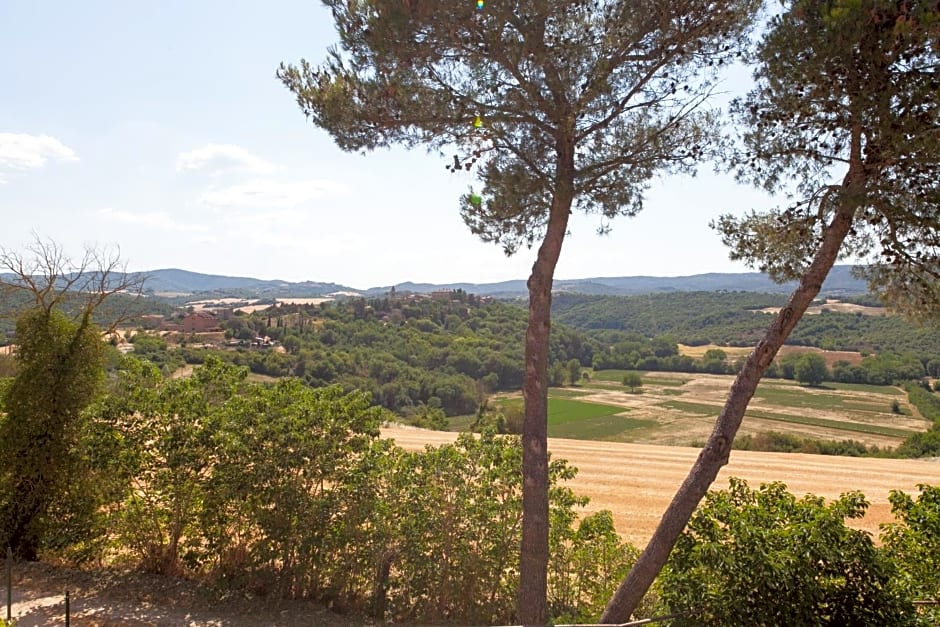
pixel 734 319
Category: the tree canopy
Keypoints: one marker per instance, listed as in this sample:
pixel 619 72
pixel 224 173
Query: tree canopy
pixel 848 87
pixel 563 104
pixel 602 93
pixel 59 366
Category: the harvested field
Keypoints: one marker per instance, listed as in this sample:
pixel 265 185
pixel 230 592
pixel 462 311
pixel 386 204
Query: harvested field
pixel 733 352
pixel 831 357
pixel 636 481
pixel 250 309
pixel 836 306
pixel 303 301
pixel 697 352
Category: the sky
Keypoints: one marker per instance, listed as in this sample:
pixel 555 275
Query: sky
pixel 161 129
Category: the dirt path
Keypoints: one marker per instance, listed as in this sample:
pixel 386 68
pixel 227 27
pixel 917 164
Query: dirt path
pixel 112 599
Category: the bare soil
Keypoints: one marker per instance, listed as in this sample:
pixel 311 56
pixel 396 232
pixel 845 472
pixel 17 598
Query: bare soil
pixel 105 598
pixel 838 307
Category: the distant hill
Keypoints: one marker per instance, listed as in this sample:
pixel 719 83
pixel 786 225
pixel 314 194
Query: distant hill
pixel 173 280
pixel 840 283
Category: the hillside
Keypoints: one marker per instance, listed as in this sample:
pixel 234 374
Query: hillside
pixel 740 319
pixel 183 282
pixel 176 281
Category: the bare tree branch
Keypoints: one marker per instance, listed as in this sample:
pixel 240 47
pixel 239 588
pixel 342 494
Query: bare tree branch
pixel 50 279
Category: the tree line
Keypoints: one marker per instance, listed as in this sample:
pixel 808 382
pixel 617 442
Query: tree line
pixel 405 352
pixel 735 319
pixel 452 353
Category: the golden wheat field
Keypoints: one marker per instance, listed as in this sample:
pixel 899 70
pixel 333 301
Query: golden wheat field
pixel 637 481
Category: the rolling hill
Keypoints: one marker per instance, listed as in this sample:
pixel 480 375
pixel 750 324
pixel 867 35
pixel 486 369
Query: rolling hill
pixel 840 283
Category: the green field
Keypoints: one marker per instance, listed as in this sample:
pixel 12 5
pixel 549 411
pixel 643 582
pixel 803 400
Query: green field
pixel 658 379
pixel 680 408
pixel 564 410
pixel 865 387
pixel 582 420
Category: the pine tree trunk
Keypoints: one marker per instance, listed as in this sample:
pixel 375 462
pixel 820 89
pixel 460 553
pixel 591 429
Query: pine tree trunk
pixel 717 449
pixel 533 562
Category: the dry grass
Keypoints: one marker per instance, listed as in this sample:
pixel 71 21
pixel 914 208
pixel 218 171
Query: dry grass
pixel 697 352
pixel 249 309
pixel 837 306
pixel 831 357
pixel 733 352
pixel 636 481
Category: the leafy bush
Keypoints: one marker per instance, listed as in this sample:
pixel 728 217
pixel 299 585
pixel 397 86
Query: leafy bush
pixel 763 557
pixel 288 502
pixel 778 442
pixel 59 370
pixel 454 530
pixel 587 565
pixel 914 544
pixel 288 491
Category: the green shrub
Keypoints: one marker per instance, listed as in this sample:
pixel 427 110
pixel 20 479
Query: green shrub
pixel 763 557
pixel 914 544
pixel 927 443
pixel 588 563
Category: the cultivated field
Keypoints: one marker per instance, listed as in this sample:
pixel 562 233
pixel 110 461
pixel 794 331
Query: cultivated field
pixel 636 482
pixel 680 409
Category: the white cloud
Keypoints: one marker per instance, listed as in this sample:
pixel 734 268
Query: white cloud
pixel 266 193
pixel 150 219
pixel 222 157
pixel 21 151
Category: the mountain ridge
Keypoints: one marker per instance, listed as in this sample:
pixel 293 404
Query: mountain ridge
pixel 178 281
